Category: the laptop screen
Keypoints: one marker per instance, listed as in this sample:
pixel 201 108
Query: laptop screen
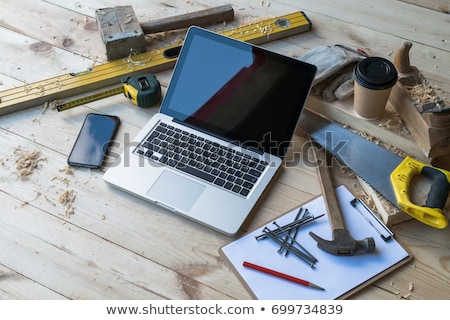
pixel 238 91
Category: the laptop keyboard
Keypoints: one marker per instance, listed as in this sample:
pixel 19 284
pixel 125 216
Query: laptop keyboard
pixel 217 164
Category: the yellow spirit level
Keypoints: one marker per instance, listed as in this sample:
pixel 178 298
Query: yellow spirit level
pixel 110 74
pixel 144 91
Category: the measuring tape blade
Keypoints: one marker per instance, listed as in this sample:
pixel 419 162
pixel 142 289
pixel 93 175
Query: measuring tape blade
pixel 80 100
pixel 110 74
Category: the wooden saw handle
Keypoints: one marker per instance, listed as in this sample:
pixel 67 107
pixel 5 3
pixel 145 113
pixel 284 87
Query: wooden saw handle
pixel 198 18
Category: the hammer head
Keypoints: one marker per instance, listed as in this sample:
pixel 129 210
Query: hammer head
pixel 121 32
pixel 343 243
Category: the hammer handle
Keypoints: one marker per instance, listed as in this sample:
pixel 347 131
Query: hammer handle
pixel 198 18
pixel 328 191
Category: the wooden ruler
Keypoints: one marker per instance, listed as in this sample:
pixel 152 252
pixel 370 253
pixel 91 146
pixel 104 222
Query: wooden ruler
pixel 108 74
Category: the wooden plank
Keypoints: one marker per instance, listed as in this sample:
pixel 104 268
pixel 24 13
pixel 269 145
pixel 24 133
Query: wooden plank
pixel 70 31
pixel 427 275
pixel 98 269
pixel 59 242
pixel 103 216
pixel 342 112
pixel 437 5
pixel 20 53
pixel 50 180
pixel 15 286
pixel 109 74
pixel 424 26
pixel 146 222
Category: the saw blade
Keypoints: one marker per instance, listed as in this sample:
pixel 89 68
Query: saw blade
pixel 371 162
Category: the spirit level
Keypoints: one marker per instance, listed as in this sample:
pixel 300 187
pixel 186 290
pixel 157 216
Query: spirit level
pixel 144 91
pixel 110 74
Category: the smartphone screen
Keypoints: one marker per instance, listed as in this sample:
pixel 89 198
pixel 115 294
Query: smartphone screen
pixel 93 140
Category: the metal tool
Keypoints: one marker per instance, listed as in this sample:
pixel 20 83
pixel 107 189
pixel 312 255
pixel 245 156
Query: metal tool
pixel 111 73
pixel 303 255
pixel 291 226
pixel 300 215
pixel 385 171
pixel 342 244
pixel 143 91
pixel 372 219
pixel 410 76
pixel 122 33
pixel 282 236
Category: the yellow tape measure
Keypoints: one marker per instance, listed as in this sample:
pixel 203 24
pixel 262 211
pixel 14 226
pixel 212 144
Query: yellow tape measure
pixel 110 74
pixel 65 105
pixel 143 91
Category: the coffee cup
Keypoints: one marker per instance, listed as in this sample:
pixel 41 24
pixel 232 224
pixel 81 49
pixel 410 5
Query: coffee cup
pixel 374 78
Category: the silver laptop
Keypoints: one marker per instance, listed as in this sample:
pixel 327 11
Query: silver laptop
pixel 222 132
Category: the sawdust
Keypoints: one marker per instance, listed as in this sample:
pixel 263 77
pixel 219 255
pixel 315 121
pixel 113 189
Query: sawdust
pixel 395 124
pixel 66 169
pixel 67 198
pixel 27 162
pixel 422 93
pixel 129 18
pixel 50 105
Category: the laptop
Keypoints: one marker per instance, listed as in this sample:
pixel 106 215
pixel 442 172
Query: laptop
pixel 221 134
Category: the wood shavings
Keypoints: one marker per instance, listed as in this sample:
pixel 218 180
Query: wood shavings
pixel 267 30
pixel 50 105
pixel 346 172
pixel 50 201
pixel 129 18
pixel 395 124
pixel 66 198
pixel 66 169
pixel 422 93
pixel 368 200
pixel 24 203
pixel 137 62
pixel 27 162
pixel 411 286
pixel 178 40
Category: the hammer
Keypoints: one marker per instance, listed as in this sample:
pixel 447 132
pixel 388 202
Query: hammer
pixel 122 33
pixel 343 243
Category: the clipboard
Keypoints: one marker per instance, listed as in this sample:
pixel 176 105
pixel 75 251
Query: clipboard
pixel 340 276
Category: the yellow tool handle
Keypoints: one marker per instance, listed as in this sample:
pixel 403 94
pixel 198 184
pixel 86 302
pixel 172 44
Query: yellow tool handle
pixel 432 213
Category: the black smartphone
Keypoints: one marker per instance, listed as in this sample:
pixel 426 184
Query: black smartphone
pixel 92 143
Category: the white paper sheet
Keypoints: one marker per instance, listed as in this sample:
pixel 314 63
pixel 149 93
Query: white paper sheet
pixel 336 274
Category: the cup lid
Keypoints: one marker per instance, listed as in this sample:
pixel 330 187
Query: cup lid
pixel 375 73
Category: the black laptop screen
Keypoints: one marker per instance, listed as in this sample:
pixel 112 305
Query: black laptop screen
pixel 238 91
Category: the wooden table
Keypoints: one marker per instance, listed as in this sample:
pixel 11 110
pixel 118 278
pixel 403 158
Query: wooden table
pixel 105 244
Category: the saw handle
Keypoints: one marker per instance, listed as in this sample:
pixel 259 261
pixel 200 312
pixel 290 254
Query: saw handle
pixel 432 213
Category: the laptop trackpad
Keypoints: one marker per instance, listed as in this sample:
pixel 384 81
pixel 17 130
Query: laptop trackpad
pixel 176 191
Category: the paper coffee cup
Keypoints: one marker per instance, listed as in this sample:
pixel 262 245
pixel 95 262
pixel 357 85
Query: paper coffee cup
pixel 374 78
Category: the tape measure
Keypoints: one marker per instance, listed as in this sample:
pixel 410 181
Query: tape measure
pixel 110 74
pixel 143 91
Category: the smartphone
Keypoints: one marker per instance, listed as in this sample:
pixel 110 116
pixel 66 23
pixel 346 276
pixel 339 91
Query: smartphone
pixel 92 143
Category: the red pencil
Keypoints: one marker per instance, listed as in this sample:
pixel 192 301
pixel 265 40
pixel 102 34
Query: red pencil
pixel 281 275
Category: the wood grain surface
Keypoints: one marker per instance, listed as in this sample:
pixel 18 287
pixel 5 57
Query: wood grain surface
pixel 101 243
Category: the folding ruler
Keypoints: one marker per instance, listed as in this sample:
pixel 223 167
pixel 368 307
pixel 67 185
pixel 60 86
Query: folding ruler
pixel 110 73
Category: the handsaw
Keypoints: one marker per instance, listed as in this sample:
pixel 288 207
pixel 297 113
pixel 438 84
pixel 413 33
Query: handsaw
pixel 387 172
